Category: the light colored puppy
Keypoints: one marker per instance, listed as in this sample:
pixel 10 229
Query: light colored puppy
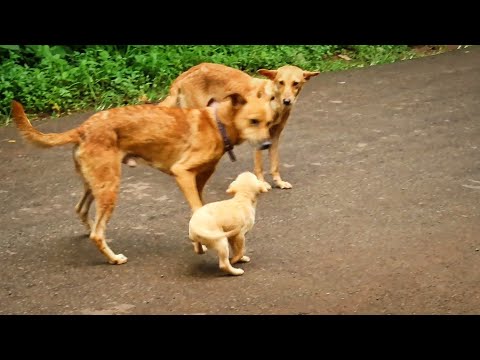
pixel 218 224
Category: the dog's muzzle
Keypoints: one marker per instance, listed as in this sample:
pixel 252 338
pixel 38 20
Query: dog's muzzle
pixel 265 145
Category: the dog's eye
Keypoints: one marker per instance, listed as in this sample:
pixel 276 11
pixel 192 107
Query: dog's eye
pixel 254 122
pixel 295 83
pixel 272 98
pixel 282 83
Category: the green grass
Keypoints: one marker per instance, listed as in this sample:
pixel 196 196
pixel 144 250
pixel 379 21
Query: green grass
pixel 54 80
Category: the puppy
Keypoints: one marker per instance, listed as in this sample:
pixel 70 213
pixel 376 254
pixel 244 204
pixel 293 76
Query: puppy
pixel 218 224
pixel 187 144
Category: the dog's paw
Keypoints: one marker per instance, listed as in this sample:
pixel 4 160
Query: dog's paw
pixel 118 259
pixel 237 272
pixel 267 185
pixel 244 259
pixel 282 184
pixel 204 248
pixel 131 162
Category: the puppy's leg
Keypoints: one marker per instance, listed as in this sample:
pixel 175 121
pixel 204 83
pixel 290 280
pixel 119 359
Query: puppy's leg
pixel 104 179
pixel 274 158
pixel 202 179
pixel 199 248
pixel 187 183
pixel 221 246
pixel 238 247
pixel 258 160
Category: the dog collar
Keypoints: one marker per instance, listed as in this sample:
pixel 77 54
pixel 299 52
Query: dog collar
pixel 227 145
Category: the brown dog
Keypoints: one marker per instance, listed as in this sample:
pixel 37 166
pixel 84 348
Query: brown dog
pixel 200 84
pixel 218 224
pixel 184 143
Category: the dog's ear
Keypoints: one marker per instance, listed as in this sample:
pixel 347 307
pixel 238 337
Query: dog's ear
pixel 271 74
pixel 211 101
pixel 236 99
pixel 232 188
pixel 308 74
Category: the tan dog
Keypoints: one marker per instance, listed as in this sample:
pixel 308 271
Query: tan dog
pixel 184 143
pixel 218 224
pixel 205 82
pixel 200 84
pixel 288 82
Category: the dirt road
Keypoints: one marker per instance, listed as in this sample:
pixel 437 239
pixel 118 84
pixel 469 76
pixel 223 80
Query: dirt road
pixel 383 217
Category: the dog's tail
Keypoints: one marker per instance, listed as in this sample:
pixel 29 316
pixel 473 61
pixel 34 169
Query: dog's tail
pixel 215 235
pixel 36 137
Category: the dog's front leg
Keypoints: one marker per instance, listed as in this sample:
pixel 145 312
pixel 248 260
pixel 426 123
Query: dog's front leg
pixel 258 160
pixel 186 180
pixel 274 158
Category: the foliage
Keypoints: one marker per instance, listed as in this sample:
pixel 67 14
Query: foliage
pixel 54 80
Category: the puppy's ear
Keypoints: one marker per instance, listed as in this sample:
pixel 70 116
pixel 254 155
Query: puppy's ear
pixel 232 188
pixel 271 74
pixel 308 74
pixel 236 99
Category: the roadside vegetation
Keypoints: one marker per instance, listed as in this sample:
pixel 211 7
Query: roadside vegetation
pixel 57 80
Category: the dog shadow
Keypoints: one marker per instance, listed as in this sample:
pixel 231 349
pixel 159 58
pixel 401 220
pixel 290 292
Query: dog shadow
pixel 207 268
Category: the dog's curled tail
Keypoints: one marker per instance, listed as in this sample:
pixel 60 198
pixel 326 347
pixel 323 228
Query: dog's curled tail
pixel 215 235
pixel 36 137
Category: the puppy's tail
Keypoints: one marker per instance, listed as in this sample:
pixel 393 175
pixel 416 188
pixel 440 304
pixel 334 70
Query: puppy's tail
pixel 36 137
pixel 215 235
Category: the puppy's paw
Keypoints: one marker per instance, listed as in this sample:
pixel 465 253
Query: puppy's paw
pixel 282 184
pixel 244 259
pixel 204 248
pixel 118 259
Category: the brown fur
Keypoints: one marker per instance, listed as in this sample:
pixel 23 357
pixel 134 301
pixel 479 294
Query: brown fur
pixel 184 143
pixel 206 81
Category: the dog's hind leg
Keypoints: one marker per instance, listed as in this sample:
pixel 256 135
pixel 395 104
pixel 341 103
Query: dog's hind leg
pixel 238 247
pixel 83 205
pixel 221 246
pixel 104 179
